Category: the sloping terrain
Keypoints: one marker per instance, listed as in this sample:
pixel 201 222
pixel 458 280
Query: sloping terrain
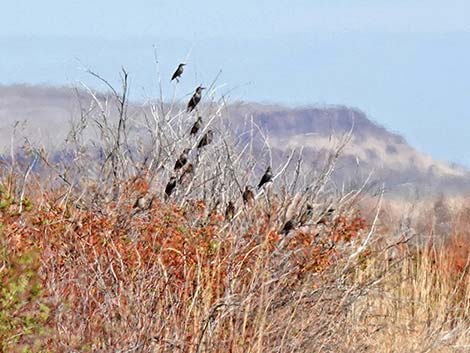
pixel 372 148
pixel 44 114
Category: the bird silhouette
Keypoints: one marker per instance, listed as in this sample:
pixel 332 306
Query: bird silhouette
pixel 206 139
pixel 288 226
pixel 195 99
pixel 182 160
pixel 196 126
pixel 248 195
pixel 178 72
pixel 230 211
pixel 266 178
pixel 170 187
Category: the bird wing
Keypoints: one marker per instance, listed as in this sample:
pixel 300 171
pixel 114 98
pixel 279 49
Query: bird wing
pixel 262 181
pixel 191 104
pixel 195 128
pixel 176 74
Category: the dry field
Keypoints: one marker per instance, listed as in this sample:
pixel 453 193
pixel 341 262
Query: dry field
pixel 97 257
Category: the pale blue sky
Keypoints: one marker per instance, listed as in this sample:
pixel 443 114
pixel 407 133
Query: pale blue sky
pixel 115 18
pixel 405 63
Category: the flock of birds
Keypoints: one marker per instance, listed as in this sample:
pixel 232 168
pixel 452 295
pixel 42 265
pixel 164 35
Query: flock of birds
pixel 184 168
pixel 206 139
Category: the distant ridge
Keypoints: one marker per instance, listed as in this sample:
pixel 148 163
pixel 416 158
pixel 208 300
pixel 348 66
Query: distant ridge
pixel 372 148
pixel 48 110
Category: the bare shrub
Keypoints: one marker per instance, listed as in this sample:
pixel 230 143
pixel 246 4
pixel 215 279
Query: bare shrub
pixel 140 256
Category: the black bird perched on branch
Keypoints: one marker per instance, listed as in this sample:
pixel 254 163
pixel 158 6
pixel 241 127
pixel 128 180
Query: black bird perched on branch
pixel 288 226
pixel 195 99
pixel 206 139
pixel 182 160
pixel 178 72
pixel 170 187
pixel 230 211
pixel 248 195
pixel 196 126
pixel 267 177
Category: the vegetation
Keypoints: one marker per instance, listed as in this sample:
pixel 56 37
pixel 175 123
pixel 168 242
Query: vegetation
pixel 99 256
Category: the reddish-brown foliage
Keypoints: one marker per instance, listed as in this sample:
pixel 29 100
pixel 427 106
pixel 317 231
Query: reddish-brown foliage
pixel 109 269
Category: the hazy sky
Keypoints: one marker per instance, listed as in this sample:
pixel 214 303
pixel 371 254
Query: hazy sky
pixel 405 63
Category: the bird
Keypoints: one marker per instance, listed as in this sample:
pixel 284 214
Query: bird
pixel 170 187
pixel 288 226
pixel 178 72
pixel 196 126
pixel 195 99
pixel 140 203
pixel 144 202
pixel 248 195
pixel 230 211
pixel 206 139
pixel 267 177
pixel 306 215
pixel 182 160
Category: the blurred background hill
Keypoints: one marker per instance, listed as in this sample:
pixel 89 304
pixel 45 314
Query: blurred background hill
pixel 44 114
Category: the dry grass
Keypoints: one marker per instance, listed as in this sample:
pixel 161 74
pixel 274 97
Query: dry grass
pixel 86 267
pixel 170 279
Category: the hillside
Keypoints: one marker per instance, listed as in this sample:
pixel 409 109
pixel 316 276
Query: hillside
pixel 372 147
pixel 44 114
